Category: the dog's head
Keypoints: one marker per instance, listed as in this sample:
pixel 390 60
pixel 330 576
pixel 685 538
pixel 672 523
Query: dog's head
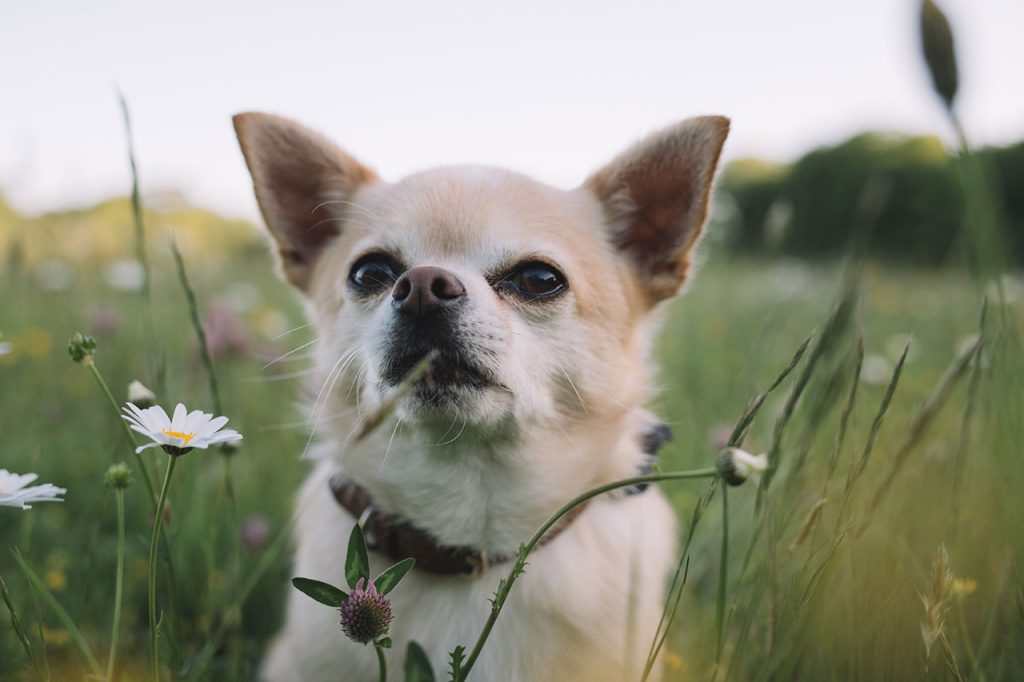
pixel 535 298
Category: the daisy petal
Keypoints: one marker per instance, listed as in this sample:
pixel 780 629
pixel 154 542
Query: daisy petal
pixel 178 420
pixel 212 427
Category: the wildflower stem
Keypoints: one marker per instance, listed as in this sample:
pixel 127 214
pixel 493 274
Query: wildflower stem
pixel 524 551
pixel 382 665
pixel 723 571
pixel 154 545
pixel 118 587
pixel 124 425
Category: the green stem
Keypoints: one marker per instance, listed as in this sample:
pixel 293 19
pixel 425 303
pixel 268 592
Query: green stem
pixel 124 425
pixel 723 572
pixel 524 551
pixel 145 474
pixel 154 546
pixel 118 587
pixel 382 665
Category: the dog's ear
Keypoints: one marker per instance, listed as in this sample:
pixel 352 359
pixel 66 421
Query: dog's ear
pixel 302 181
pixel 656 197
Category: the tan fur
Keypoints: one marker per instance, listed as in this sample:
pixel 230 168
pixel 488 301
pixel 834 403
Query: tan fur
pixel 490 469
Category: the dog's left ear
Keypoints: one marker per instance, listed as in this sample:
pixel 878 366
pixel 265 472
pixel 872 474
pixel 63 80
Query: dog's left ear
pixel 656 197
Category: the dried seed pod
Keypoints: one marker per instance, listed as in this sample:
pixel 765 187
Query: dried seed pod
pixel 939 51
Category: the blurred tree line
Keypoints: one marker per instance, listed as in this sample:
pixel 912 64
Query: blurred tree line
pixel 903 195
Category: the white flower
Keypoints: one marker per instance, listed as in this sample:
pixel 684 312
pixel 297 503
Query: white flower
pixel 5 348
pixel 181 433
pixel 140 396
pixel 125 275
pixel 13 492
pixel 875 370
pixel 736 465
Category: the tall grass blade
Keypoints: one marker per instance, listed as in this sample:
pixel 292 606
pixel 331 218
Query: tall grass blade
pixel 19 631
pixel 76 635
pixel 197 326
pixel 926 413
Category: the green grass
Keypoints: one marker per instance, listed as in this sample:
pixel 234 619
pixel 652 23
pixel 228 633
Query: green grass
pixel 843 604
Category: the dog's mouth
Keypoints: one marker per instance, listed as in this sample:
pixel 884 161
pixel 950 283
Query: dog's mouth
pixel 450 376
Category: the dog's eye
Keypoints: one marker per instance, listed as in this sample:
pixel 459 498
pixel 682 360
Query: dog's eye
pixel 534 280
pixel 373 272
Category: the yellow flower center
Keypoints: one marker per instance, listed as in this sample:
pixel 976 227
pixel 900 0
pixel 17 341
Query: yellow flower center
pixel 177 434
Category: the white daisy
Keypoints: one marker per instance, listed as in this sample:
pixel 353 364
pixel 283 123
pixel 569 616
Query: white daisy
pixel 14 493
pixel 181 433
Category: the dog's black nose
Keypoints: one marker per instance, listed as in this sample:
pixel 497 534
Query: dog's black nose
pixel 425 289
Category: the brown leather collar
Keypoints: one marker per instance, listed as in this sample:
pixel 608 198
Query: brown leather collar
pixel 398 539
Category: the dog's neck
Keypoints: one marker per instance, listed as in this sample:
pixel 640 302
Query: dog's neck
pixel 487 490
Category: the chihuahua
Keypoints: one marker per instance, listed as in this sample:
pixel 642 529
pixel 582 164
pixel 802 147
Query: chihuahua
pixel 538 306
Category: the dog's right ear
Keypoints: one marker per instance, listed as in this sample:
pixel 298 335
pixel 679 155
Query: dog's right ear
pixel 302 181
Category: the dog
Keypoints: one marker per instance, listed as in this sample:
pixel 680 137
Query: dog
pixel 540 305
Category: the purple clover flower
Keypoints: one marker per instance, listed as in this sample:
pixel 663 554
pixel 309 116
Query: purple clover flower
pixel 366 614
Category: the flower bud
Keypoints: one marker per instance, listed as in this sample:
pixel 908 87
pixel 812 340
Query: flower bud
pixel 140 396
pixel 366 614
pixel 118 477
pixel 81 347
pixel 735 465
pixel 939 51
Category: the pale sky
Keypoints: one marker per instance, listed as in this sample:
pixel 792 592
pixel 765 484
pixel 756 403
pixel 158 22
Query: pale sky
pixel 552 89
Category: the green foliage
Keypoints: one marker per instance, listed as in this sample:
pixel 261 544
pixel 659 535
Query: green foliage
pixel 357 561
pixel 389 579
pixel 326 594
pixel 723 342
pixel 417 664
pixel 904 193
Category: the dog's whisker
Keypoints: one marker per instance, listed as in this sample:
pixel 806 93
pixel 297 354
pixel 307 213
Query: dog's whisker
pixel 574 389
pixel 451 426
pixel 283 426
pixel 332 379
pixel 324 391
pixel 280 377
pixel 391 441
pixel 465 421
pixel 349 204
pixel 349 219
pixel 357 385
pixel 293 329
pixel 296 350
pixel 352 432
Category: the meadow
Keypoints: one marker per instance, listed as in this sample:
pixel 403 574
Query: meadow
pixel 882 542
pixel 920 578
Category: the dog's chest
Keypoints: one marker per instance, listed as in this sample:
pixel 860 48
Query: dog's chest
pixel 567 617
